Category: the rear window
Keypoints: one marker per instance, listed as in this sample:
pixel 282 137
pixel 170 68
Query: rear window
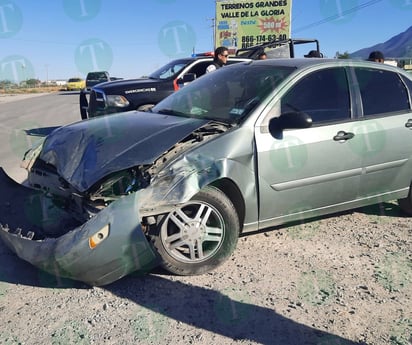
pixel 381 91
pixel 74 80
pixel 95 76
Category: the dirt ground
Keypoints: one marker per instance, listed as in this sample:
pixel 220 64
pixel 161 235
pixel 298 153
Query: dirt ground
pixel 344 279
pixel 5 98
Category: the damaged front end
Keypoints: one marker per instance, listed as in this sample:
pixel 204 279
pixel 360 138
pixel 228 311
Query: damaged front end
pixel 102 249
pixel 96 235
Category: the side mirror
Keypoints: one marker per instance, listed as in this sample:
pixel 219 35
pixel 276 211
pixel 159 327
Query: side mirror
pixel 187 78
pixel 290 120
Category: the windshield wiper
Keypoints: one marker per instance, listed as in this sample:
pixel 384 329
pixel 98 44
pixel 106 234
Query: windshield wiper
pixel 171 112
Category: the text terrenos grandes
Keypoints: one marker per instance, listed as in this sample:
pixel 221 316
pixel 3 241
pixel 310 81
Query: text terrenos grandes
pixel 258 4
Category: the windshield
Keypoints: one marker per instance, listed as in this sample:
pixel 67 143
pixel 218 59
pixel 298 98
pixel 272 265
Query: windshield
pixel 169 70
pixel 227 95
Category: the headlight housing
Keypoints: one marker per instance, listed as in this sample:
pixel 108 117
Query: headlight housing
pixel 31 155
pixel 117 101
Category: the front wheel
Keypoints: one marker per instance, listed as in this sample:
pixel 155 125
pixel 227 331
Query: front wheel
pixel 83 102
pixel 199 235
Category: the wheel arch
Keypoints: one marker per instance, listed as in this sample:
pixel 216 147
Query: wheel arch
pixel 231 190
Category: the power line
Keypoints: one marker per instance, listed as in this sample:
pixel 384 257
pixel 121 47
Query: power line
pixel 338 15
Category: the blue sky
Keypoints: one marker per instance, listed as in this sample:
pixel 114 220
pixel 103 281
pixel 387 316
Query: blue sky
pixel 46 39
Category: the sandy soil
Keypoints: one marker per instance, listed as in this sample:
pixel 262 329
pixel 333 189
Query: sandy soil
pixel 345 279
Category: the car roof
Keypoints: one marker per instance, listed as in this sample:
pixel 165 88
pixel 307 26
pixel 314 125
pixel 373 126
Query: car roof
pixel 301 63
pixel 208 57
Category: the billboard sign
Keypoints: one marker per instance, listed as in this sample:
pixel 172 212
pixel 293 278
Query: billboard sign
pixel 245 23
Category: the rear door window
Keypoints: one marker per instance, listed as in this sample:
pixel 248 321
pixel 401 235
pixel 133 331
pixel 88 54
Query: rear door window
pixel 381 91
pixel 408 84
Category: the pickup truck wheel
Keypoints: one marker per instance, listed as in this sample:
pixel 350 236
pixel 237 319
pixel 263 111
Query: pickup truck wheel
pixel 199 235
pixel 145 107
pixel 83 105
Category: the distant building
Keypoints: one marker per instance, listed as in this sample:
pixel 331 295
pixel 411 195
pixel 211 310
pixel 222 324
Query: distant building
pixel 391 62
pixel 58 82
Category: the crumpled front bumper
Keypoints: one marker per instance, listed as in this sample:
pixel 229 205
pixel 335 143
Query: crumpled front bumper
pixel 105 248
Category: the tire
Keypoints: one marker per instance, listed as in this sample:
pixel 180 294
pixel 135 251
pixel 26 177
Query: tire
pixel 83 105
pixel 83 113
pixel 208 222
pixel 406 204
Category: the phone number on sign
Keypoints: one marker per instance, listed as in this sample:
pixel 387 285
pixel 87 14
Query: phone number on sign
pixel 248 41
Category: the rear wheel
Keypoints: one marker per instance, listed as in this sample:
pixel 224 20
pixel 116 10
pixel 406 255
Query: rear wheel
pixel 199 235
pixel 406 204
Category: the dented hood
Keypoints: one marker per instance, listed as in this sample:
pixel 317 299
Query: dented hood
pixel 86 151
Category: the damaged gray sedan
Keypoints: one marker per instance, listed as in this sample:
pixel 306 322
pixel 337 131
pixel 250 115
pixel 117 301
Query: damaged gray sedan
pixel 248 147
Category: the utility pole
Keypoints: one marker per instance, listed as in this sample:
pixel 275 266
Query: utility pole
pixel 23 67
pixel 47 74
pixel 213 26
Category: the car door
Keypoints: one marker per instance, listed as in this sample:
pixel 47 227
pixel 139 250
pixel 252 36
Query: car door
pixel 385 133
pixel 313 170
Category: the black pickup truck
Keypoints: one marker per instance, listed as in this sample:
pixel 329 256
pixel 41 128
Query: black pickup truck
pixel 92 79
pixel 141 94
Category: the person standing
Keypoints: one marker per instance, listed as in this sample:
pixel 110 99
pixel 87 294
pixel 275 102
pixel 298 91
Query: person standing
pixel 220 59
pixel 262 56
pixel 313 54
pixel 376 56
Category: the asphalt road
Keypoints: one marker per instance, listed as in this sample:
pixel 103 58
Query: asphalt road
pixel 23 118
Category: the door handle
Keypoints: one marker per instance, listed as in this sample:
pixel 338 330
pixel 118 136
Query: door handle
pixel 343 136
pixel 408 124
